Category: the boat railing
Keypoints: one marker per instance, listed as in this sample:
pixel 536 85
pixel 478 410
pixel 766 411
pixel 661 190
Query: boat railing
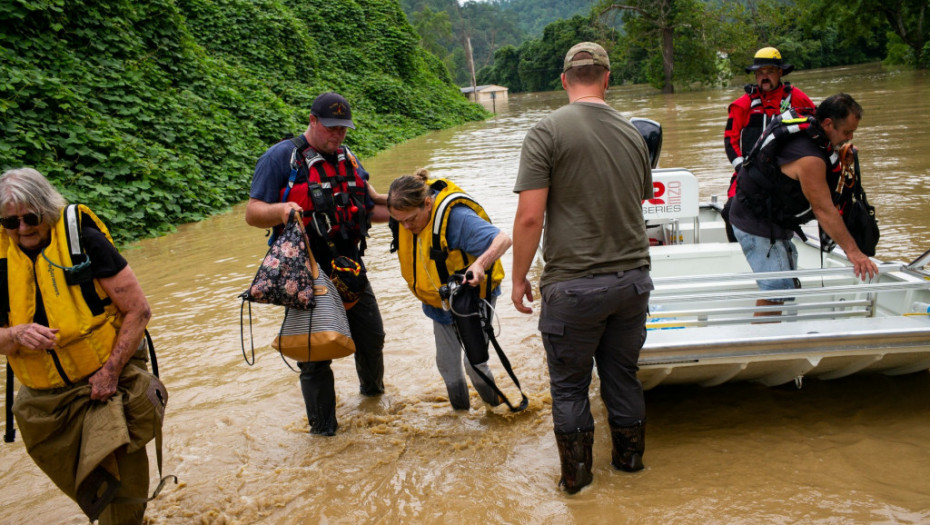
pixel 726 299
pixel 839 272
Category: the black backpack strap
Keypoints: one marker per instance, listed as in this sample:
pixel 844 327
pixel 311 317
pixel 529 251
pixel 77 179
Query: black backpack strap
pixel 10 434
pixel 506 362
pixel 79 273
pixel 300 142
pixel 524 402
pixel 152 358
pixel 489 331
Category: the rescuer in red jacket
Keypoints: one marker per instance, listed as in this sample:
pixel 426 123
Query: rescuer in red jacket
pixel 749 114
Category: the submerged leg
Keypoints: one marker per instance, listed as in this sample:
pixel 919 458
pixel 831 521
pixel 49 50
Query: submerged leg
pixel 449 363
pixel 368 334
pixel 575 456
pixel 629 444
pixel 319 390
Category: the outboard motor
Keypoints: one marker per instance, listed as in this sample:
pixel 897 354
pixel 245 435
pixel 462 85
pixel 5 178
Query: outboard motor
pixel 652 132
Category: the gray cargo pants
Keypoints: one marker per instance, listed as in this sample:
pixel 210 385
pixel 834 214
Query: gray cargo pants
pixel 597 319
pixel 451 360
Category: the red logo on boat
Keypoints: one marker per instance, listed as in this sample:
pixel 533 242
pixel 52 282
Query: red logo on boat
pixel 658 190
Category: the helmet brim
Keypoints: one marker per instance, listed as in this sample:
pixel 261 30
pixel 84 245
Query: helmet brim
pixel 785 68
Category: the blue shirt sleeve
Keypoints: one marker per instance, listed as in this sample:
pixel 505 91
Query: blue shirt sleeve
pixel 271 172
pixel 466 231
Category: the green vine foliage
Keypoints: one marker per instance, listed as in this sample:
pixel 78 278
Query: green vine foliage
pixel 153 112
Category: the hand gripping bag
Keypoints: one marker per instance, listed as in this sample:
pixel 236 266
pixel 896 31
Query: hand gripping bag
pixel 315 326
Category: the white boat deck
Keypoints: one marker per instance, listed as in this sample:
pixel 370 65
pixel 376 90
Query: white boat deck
pixel 703 326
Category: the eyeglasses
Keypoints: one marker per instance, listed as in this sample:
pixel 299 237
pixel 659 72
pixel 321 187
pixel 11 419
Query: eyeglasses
pixel 12 222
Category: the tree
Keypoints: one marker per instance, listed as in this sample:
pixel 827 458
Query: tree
pixel 534 15
pixel 653 25
pixel 505 71
pixel 489 28
pixel 435 30
pixel 908 20
pixel 541 60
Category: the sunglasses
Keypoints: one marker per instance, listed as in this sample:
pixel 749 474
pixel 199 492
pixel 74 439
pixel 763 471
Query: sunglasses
pixel 12 222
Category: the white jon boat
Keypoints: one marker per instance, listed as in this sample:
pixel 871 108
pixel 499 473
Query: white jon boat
pixel 702 329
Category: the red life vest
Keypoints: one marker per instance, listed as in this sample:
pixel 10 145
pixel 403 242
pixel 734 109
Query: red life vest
pixel 759 109
pixel 335 194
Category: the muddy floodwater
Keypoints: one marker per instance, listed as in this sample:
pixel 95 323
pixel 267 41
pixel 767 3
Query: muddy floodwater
pixel 855 450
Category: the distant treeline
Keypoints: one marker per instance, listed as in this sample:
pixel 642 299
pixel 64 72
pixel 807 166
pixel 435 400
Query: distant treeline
pixel 444 26
pixel 667 43
pixel 153 112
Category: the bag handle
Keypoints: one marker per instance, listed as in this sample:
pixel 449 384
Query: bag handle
pixel 314 272
pixel 314 267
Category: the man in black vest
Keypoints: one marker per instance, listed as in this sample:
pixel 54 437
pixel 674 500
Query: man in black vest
pixel 801 174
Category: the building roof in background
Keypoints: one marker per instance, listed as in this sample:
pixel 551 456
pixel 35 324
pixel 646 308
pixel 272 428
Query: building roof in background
pixel 488 88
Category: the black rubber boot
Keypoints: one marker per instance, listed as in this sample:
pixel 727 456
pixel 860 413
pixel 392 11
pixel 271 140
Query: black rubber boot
pixel 318 388
pixel 575 454
pixel 629 445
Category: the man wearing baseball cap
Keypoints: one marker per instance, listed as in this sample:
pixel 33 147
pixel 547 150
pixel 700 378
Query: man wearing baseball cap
pixel 316 172
pixel 332 110
pixel 586 169
pixel 749 114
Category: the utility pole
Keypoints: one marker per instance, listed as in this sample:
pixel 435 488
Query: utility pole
pixel 471 67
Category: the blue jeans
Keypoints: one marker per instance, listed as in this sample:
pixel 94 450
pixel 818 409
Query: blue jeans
pixel 764 256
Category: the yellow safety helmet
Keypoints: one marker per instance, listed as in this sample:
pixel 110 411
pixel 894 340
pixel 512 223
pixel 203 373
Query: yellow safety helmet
pixel 769 56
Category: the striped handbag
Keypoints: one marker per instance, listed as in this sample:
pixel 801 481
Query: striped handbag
pixel 320 333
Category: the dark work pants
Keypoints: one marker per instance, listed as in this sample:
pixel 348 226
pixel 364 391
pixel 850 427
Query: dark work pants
pixel 316 378
pixel 599 319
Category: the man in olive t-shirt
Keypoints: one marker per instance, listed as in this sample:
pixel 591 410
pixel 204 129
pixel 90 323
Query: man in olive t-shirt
pixel 586 169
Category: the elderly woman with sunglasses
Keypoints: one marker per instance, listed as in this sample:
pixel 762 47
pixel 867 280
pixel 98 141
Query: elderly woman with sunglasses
pixel 73 318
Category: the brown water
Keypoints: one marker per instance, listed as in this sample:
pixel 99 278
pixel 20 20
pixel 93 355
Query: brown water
pixel 847 451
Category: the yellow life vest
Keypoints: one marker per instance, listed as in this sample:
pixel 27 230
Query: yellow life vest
pixel 75 304
pixel 426 270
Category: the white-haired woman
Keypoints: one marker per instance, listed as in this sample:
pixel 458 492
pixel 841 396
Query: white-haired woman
pixel 73 318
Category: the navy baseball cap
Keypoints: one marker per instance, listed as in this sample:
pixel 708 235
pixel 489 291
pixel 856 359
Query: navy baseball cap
pixel 332 109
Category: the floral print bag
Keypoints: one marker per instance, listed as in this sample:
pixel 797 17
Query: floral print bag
pixel 285 277
pixel 315 326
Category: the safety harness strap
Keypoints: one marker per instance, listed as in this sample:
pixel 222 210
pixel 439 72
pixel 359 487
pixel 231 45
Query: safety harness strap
pixel 437 253
pixel 79 273
pixel 524 401
pixel 10 434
